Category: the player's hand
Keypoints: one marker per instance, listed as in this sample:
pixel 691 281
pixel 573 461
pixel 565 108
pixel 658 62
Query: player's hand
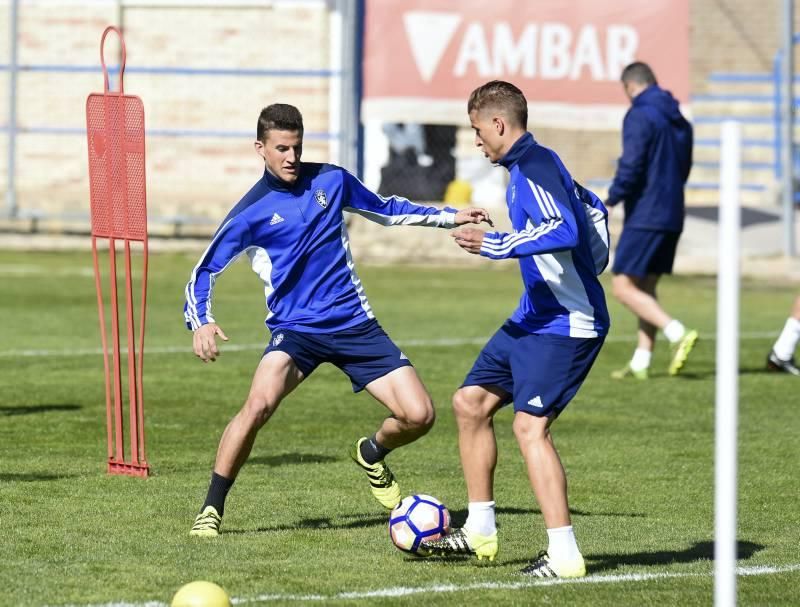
pixel 473 215
pixel 469 239
pixel 205 342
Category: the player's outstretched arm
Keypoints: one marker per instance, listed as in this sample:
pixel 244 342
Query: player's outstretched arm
pixel 396 210
pixel 205 343
pixel 473 215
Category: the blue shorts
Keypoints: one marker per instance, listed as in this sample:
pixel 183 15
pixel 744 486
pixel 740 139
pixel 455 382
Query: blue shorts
pixel 540 372
pixel 642 252
pixel 363 352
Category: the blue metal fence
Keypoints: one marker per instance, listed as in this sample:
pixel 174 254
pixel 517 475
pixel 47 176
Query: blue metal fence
pixel 165 70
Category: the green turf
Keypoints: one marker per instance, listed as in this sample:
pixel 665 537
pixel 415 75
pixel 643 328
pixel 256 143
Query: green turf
pixel 300 520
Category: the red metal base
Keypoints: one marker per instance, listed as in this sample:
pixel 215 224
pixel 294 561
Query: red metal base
pixel 117 467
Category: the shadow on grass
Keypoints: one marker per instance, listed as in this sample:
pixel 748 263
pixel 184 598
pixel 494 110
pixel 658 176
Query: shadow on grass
pixel 26 477
pixel 347 521
pixel 699 551
pixel 459 517
pixel 32 409
pixel 286 459
pixel 760 370
pixel 363 521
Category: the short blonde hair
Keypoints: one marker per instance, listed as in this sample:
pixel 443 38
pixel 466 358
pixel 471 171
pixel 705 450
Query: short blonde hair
pixel 503 96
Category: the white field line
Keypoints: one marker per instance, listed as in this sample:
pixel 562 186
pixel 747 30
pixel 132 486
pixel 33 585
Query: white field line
pixel 400 591
pixel 446 342
pixel 30 270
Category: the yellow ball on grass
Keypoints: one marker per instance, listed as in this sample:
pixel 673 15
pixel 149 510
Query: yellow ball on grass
pixel 201 594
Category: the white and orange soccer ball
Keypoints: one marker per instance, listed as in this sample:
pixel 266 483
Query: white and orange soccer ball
pixel 417 518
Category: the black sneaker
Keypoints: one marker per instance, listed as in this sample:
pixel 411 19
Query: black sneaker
pixel 460 541
pixel 544 566
pixel 781 366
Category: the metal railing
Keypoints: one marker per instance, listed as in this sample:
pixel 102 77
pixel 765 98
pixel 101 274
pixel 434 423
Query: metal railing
pixel 777 82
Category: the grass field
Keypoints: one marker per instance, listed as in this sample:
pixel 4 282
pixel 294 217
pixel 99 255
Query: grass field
pixel 300 525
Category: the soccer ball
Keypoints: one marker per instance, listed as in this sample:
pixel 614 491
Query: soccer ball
pixel 200 594
pixel 417 518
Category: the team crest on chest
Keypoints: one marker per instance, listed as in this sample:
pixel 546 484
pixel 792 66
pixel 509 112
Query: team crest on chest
pixel 321 199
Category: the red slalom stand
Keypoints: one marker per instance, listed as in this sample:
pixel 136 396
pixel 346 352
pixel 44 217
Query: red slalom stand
pixel 115 131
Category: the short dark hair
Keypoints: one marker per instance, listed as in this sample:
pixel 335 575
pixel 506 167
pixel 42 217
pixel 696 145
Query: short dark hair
pixel 278 116
pixel 501 95
pixel 638 72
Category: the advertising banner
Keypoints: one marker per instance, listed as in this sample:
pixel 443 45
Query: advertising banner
pixel 422 58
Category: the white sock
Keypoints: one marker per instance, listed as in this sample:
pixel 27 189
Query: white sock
pixel 787 342
pixel 481 519
pixel 674 331
pixel 562 546
pixel 641 359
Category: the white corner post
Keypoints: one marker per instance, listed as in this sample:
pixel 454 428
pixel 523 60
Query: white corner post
pixel 727 386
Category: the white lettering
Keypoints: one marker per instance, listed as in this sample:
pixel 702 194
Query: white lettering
pixel 508 56
pixel 473 50
pixel 587 54
pixel 622 42
pixel 556 39
pixel 551 51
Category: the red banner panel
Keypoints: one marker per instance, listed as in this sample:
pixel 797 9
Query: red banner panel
pixel 557 52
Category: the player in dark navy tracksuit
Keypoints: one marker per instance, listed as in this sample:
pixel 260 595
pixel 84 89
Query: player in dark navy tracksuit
pixel 655 164
pixel 291 227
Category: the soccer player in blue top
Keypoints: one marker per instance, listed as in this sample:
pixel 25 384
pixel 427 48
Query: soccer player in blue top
pixel 651 173
pixel 539 358
pixel 291 226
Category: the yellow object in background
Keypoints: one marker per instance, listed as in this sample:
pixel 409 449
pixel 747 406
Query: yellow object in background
pixel 458 193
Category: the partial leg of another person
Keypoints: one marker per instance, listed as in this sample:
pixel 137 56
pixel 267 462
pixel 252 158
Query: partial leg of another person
pixel 412 415
pixel 474 407
pixel 540 396
pixel 374 363
pixel 642 257
pixel 781 357
pixel 275 377
pixel 549 482
pixel 639 364
pixel 487 387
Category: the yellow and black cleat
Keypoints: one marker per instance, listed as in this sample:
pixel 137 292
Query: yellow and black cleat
pixel 382 483
pixel 207 523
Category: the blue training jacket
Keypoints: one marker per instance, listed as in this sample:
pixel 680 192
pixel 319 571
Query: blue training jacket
pixel 655 162
pixel 561 240
pixel 297 242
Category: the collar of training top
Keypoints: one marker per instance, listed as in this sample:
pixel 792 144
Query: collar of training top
pixel 279 184
pixel 520 146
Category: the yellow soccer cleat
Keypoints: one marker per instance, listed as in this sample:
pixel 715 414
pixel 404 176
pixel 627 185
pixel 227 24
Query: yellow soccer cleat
pixel 627 372
pixel 545 567
pixel 462 541
pixel 207 523
pixel 681 351
pixel 382 483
